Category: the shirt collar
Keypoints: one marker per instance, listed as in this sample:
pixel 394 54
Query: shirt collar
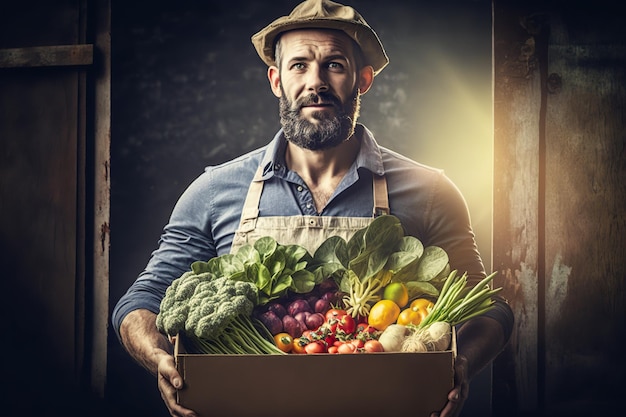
pixel 369 156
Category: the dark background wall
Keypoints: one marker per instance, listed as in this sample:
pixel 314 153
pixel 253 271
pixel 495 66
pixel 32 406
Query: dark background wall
pixel 188 90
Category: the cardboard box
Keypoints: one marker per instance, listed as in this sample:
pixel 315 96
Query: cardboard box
pixel 363 384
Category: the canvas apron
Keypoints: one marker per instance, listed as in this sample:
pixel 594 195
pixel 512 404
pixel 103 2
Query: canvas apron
pixel 306 231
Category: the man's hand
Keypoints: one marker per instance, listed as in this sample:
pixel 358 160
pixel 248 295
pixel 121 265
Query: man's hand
pixel 169 380
pixel 458 394
pixel 153 351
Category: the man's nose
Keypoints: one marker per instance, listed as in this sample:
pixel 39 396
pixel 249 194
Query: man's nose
pixel 317 81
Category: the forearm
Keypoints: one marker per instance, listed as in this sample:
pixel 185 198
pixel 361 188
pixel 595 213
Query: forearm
pixel 480 340
pixel 142 340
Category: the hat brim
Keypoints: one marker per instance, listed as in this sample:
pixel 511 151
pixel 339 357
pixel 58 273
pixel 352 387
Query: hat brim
pixel 373 51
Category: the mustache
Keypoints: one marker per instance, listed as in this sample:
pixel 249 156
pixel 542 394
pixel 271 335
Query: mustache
pixel 316 98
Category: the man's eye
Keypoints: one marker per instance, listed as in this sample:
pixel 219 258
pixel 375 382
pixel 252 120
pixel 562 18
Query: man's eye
pixel 298 66
pixel 335 65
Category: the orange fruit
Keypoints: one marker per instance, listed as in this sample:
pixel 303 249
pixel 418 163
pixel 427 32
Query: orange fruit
pixel 397 292
pixel 382 314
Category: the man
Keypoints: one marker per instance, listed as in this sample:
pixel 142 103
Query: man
pixel 323 174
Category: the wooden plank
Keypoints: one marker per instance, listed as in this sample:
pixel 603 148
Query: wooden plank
pixel 585 222
pixel 47 56
pixel 102 200
pixel 38 228
pixel 517 102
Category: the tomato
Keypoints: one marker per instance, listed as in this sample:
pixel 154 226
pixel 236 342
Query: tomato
pixel 334 313
pixel 315 347
pixel 346 324
pixel 299 343
pixel 373 346
pixel 333 349
pixel 284 341
pixel 358 343
pixel 346 348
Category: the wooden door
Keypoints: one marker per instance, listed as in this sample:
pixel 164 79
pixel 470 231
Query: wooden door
pixel 560 204
pixel 54 202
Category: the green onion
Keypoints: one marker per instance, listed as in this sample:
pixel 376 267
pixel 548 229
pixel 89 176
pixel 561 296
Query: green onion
pixel 455 308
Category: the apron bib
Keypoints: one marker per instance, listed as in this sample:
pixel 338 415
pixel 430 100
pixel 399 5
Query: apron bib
pixel 306 231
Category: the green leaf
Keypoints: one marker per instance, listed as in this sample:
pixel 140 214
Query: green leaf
pixel 432 263
pixel 281 285
pixel 419 289
pixel 198 267
pixel 296 253
pixel 403 264
pixel 247 253
pixel 276 262
pixel 226 265
pixel 260 275
pixel 332 250
pixel 329 271
pixel 266 246
pixel 412 245
pixel 355 245
pixel 384 233
pixel 303 281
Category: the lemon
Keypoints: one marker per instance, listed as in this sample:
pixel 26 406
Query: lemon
pixel 396 292
pixel 382 314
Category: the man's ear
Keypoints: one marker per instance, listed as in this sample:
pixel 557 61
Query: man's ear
pixel 366 78
pixel 274 76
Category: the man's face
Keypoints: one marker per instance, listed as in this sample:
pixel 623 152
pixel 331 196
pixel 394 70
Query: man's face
pixel 319 99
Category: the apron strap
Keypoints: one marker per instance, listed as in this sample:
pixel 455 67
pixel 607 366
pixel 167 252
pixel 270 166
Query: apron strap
pixel 381 198
pixel 250 211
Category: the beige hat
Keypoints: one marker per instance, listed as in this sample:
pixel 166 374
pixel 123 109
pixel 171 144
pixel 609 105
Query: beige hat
pixel 328 15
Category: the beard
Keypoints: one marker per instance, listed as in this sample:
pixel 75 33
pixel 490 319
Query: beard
pixel 329 130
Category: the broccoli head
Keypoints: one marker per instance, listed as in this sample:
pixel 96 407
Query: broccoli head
pixel 175 306
pixel 215 304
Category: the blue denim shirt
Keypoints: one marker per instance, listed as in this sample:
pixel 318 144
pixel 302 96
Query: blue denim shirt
pixel 205 218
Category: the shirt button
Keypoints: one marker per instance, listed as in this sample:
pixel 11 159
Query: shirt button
pixel 308 205
pixel 300 188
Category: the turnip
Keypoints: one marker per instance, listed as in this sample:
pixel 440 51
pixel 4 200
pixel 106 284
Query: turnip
pixel 393 337
pixel 292 326
pixel 273 323
pixel 314 321
pixel 434 337
pixel 297 306
pixel 321 306
pixel 278 309
pixel 301 317
pixel 441 335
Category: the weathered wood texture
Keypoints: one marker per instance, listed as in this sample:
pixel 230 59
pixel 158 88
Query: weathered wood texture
pixel 560 204
pixel 46 56
pixel 48 148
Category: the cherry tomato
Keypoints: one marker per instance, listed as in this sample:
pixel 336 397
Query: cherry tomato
pixel 346 348
pixel 284 341
pixel 315 347
pixel 360 327
pixel 299 343
pixel 346 324
pixel 373 346
pixel 358 343
pixel 334 313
